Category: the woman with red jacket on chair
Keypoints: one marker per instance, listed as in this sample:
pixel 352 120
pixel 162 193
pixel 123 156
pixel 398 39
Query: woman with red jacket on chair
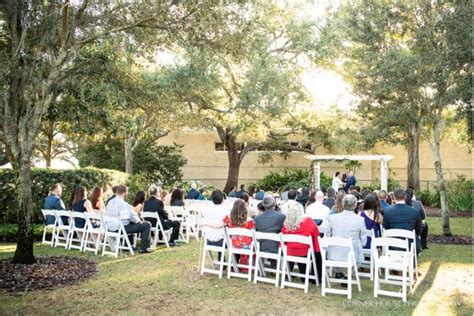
pixel 296 223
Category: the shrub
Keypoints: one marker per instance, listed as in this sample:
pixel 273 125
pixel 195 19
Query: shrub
pixel 294 178
pixel 43 178
pixel 8 232
pixel 460 194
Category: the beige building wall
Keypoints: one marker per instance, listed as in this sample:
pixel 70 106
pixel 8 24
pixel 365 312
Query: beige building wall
pixel 210 166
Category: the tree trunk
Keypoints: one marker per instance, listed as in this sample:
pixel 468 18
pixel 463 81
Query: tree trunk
pixel 49 151
pixel 234 169
pixel 24 247
pixel 129 154
pixel 413 168
pixel 436 149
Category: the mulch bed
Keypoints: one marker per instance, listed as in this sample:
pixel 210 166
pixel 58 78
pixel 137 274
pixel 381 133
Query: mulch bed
pixel 451 240
pixel 47 273
pixel 436 212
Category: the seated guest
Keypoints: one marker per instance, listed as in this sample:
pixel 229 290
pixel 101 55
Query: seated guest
pixel 177 198
pixel 383 200
pixel 372 217
pixel 233 192
pixel 296 223
pixel 167 199
pixel 154 204
pixel 284 194
pixel 193 194
pixel 138 202
pixel 337 208
pixel 239 218
pixel 97 199
pixel 260 194
pixel 311 200
pixel 403 216
pixel 347 224
pixel 242 191
pixel 276 193
pixel 212 217
pixel 251 191
pixel 114 191
pixel 331 199
pixel 304 197
pixel 319 212
pixel 201 196
pixel 411 201
pixel 132 223
pixel 81 204
pixel 53 202
pixel 292 194
pixel 270 221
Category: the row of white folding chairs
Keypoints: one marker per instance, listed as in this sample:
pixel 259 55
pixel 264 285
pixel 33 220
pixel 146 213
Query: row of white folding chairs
pixel 190 219
pixel 282 259
pixel 95 233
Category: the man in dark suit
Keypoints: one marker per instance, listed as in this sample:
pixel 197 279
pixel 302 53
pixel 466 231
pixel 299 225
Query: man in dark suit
pixel 242 191
pixel 402 216
pixel 270 221
pixel 351 180
pixel 303 197
pixel 154 204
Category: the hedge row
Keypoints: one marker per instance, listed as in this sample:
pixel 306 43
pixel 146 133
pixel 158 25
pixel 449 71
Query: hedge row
pixel 43 178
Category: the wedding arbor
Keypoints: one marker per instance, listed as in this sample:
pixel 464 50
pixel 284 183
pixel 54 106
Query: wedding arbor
pixel 316 166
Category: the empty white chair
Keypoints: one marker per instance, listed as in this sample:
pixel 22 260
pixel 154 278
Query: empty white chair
pixel 94 232
pixel 192 223
pixel 260 256
pixel 350 264
pixel 395 260
pixel 309 261
pixel 62 229
pixel 234 266
pixel 217 266
pixel 411 237
pixel 115 240
pixel 77 234
pixel 367 261
pixel 51 227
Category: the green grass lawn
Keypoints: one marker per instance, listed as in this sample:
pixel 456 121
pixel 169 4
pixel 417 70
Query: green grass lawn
pixel 459 225
pixel 168 281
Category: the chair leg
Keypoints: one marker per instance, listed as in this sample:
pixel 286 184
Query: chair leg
pixel 349 282
pixel 283 276
pixel 250 268
pixel 404 284
pixel 306 279
pixel 376 280
pixel 278 271
pixel 324 278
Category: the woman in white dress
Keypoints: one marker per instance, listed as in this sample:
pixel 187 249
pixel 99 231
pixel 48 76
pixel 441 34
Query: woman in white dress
pixel 336 181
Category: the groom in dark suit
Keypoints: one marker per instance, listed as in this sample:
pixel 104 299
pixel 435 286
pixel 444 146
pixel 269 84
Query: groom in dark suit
pixel 402 216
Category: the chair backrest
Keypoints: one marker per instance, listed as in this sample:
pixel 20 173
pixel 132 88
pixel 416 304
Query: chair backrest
pixel 60 214
pixel 300 239
pixel 176 211
pixel 392 247
pixel 108 220
pixel 48 213
pixel 334 241
pixel 154 215
pixel 266 236
pixel 402 233
pixel 97 217
pixel 239 232
pixel 74 215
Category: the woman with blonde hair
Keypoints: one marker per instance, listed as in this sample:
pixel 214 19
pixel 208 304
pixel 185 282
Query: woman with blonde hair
pixel 296 223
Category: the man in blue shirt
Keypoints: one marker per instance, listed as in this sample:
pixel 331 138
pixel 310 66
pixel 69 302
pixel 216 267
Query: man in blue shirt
pixel 260 194
pixel 193 193
pixel 53 202
pixel 383 200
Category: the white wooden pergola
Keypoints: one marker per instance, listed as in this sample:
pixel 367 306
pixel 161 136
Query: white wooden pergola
pixel 316 165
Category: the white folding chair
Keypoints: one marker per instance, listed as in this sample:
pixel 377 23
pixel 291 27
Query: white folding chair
pixel 77 234
pixel 260 256
pixel 155 229
pixel 178 213
pixel 368 262
pixel 234 266
pixel 94 232
pixel 51 227
pixel 309 261
pixel 217 266
pixel 350 264
pixel 411 237
pixel 395 260
pixel 192 223
pixel 62 229
pixel 115 240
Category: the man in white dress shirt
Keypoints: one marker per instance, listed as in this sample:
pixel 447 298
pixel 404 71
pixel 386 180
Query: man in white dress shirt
pixel 319 212
pixel 117 207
